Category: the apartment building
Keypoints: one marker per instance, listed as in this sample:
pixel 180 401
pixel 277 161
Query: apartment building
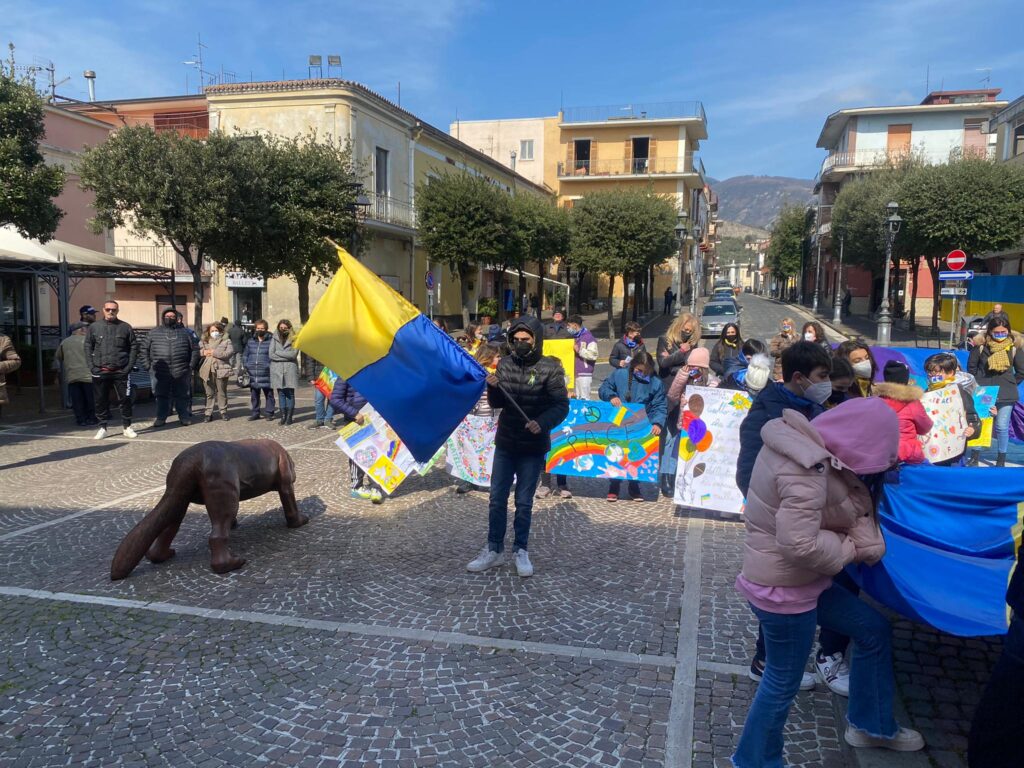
pixel 587 149
pixel 862 139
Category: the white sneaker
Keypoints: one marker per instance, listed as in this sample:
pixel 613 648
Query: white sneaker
pixel 487 558
pixel 757 672
pixel 834 672
pixel 523 565
pixel 129 432
pixel 905 740
pixel 100 433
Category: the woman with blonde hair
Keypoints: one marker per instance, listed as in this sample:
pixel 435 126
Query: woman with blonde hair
pixel 674 348
pixel 780 342
pixel 216 351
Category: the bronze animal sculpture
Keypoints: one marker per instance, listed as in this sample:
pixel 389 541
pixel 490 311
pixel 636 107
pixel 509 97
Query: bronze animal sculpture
pixel 218 475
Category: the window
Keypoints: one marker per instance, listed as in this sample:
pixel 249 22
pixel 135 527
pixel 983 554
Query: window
pixel 581 165
pixel 1017 146
pixel 380 173
pixel 641 149
pixel 526 149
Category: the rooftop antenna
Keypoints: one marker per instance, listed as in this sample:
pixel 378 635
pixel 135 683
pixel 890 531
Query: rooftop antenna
pixel 987 79
pixel 197 61
pixel 51 77
pixel 399 93
pixel 927 79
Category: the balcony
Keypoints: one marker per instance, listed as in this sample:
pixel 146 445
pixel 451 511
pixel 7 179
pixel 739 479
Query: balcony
pixel 637 167
pixel 867 159
pixel 387 210
pixel 666 110
pixel 160 256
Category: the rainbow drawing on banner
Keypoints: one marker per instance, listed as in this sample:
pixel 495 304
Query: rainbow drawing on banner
pixel 598 439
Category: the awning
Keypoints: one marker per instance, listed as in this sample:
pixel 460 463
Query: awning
pixel 15 247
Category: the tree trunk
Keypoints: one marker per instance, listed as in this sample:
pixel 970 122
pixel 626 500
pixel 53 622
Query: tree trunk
pixel 523 298
pixel 933 268
pixel 302 283
pixel 581 275
pixel 625 303
pixel 464 294
pixel 650 289
pixel 915 267
pixel 540 288
pixel 499 278
pixel 611 316
pixel 195 268
pixel 638 293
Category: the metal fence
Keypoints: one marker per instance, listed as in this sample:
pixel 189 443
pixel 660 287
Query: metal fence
pixel 664 110
pixel 636 166
pixel 391 211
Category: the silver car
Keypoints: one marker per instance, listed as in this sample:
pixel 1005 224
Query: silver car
pixel 715 316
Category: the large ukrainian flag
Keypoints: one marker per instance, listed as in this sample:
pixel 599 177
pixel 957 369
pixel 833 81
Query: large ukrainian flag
pixel 414 374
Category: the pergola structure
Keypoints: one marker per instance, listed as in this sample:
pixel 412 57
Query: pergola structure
pixel 62 266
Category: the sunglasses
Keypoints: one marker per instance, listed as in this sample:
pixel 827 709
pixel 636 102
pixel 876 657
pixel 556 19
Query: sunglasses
pixel 108 309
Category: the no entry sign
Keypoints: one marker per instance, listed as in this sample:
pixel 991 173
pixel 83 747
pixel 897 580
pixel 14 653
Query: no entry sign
pixel 956 259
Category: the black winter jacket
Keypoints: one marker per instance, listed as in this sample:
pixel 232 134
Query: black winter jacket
pixel 669 365
pixel 256 360
pixel 537 384
pixel 238 337
pixel 768 405
pixel 111 346
pixel 622 350
pixel 1007 381
pixel 346 400
pixel 169 352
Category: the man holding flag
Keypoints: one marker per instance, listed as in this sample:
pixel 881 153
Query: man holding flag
pixel 530 389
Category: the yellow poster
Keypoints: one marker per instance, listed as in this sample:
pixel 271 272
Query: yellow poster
pixel 984 439
pixel 563 349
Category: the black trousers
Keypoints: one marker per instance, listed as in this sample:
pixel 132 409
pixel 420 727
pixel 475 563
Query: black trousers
pixel 82 402
pixel 995 731
pixel 121 386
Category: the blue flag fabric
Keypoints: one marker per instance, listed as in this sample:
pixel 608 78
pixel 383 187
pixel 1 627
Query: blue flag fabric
pixel 951 538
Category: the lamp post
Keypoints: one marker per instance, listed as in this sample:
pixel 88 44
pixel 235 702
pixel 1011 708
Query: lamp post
pixel 837 305
pixel 892 226
pixel 817 264
pixel 680 231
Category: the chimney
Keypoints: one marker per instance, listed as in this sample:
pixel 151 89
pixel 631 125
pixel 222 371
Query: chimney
pixel 91 77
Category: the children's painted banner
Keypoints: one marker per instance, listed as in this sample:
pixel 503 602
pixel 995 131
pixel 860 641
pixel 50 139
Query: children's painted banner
pixel 984 437
pixel 709 445
pixel 470 450
pixel 948 436
pixel 984 400
pixel 598 439
pixel 564 350
pixel 325 381
pixel 377 450
pixel 951 542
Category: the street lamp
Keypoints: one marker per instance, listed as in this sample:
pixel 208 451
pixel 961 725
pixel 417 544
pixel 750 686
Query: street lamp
pixel 892 226
pixel 680 231
pixel 817 265
pixel 837 305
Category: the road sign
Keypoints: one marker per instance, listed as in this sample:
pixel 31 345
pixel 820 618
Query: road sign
pixel 429 280
pixel 965 274
pixel 956 259
pixel 952 291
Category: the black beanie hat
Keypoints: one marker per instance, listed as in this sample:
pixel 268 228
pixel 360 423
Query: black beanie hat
pixel 896 372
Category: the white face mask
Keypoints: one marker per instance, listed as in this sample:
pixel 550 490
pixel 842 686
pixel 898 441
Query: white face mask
pixel 818 392
pixel 214 334
pixel 809 336
pixel 862 369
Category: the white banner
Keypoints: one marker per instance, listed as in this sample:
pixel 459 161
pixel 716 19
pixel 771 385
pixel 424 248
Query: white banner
pixel 377 450
pixel 470 450
pixel 709 445
pixel 948 437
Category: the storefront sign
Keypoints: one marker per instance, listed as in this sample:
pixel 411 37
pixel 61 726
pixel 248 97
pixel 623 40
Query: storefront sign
pixel 243 280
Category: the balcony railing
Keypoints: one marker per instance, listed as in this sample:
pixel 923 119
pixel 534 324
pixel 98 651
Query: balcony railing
pixel 879 158
pixel 388 210
pixel 637 166
pixel 159 256
pixel 666 110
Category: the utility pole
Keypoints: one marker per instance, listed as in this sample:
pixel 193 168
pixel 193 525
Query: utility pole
pixel 837 305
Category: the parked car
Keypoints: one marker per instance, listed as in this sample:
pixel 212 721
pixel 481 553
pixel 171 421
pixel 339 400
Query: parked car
pixel 748 289
pixel 715 315
pixel 722 293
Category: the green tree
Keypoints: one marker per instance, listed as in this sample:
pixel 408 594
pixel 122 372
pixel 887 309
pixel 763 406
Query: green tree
pixel 464 221
pixel 973 204
pixel 621 233
pixel 27 184
pixel 540 233
pixel 789 239
pixel 292 194
pixel 179 189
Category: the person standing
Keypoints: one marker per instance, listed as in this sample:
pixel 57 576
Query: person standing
pixel 9 363
pixel 556 485
pixel 170 354
pixel 216 351
pixel 284 369
pixel 536 384
pixel 256 360
pixel 87 314
pixel 71 355
pixel 726 348
pixel 896 391
pixel 813 332
pixel 111 349
pixel 236 333
pixel 858 354
pixel 586 354
pixel 996 311
pixel 347 401
pixel 627 347
pixel 999 362
pixel 323 413
pixel 669 300
pixel 674 348
pixel 779 343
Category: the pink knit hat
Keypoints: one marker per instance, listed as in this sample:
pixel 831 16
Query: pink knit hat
pixel 699 358
pixel 863 433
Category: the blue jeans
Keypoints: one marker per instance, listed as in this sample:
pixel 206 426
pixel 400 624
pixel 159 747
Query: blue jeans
pixel 526 469
pixel 1001 427
pixel 788 639
pixel 323 409
pixel 286 397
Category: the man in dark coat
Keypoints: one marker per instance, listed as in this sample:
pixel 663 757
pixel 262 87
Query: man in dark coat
pixel 110 350
pixel 170 353
pixel 536 384
pixel 236 333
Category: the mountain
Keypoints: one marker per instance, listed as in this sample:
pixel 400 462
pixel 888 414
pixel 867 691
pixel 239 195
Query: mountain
pixel 731 229
pixel 757 200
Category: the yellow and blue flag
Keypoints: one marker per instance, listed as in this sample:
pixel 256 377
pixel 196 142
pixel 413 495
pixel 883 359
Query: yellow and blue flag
pixel 409 370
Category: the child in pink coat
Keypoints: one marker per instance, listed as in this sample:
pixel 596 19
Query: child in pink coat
pixel 905 399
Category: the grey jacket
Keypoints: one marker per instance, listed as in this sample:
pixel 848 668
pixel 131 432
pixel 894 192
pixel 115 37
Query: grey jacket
pixel 284 363
pixel 71 355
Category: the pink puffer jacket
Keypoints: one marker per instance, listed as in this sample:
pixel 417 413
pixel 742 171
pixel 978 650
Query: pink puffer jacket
pixel 808 515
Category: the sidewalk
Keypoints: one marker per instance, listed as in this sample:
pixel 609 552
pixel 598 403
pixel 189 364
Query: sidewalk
pixel 866 327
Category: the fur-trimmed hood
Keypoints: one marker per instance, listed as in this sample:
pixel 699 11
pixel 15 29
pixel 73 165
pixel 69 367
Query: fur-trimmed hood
pixel 902 393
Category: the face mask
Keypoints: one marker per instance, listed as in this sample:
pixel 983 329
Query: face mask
pixel 522 349
pixel 630 342
pixel 170 322
pixel 1000 335
pixel 214 334
pixel 283 331
pixel 862 369
pixel 575 331
pixel 938 378
pixel 818 392
pixel 261 333
pixel 730 340
pixel 644 377
pixel 787 329
pixel 694 373
pixel 809 336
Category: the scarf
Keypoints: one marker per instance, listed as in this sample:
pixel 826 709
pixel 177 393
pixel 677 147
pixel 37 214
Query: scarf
pixel 864 385
pixel 730 342
pixel 999 354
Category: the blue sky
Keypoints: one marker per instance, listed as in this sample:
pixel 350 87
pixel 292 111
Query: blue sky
pixel 768 73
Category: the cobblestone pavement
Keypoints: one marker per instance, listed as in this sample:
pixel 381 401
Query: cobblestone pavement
pixel 360 639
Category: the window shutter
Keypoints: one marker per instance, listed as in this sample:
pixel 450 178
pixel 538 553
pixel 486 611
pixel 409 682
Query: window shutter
pixel 593 156
pixel 652 150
